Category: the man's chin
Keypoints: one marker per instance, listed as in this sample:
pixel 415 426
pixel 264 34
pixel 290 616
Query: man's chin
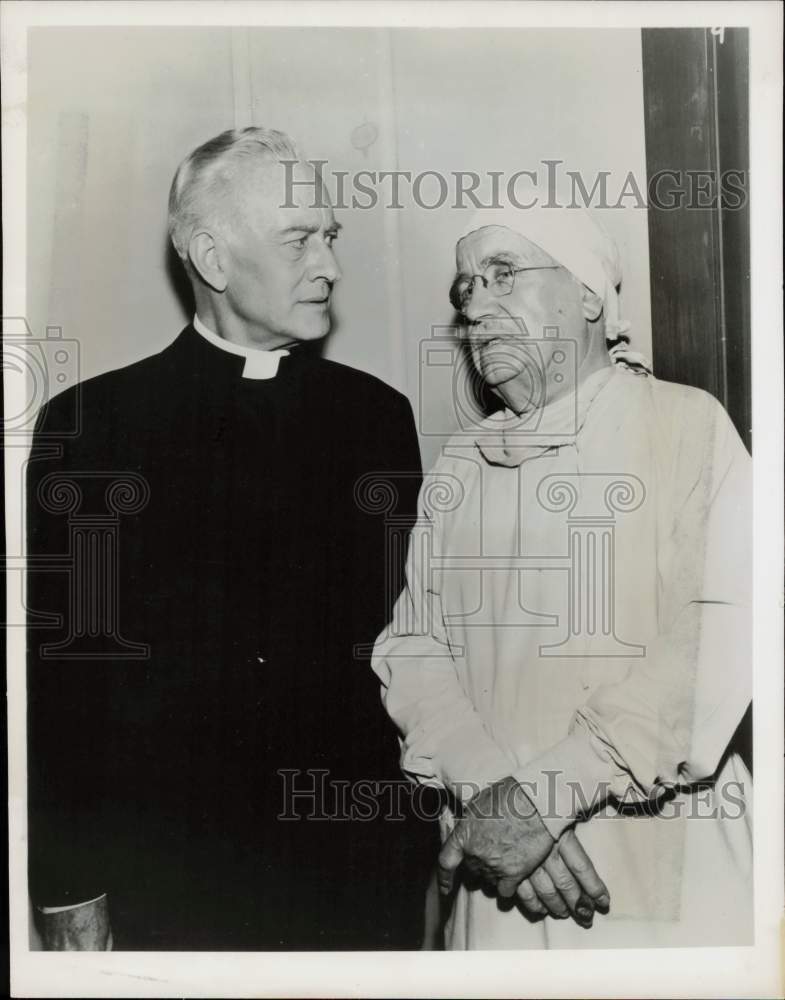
pixel 307 334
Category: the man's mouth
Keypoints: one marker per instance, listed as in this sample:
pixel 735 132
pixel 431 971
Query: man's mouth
pixel 317 302
pixel 495 329
pixel 481 343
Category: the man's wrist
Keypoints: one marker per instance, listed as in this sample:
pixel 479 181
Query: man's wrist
pixel 565 782
pixel 530 813
pixel 473 766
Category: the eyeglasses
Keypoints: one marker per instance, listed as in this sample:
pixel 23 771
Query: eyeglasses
pixel 499 279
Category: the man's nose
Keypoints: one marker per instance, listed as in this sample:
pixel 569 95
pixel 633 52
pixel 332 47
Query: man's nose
pixel 480 302
pixel 325 265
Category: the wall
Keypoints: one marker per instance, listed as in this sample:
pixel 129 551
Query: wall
pixel 112 111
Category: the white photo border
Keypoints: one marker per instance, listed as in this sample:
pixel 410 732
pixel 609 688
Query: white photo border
pixel 730 972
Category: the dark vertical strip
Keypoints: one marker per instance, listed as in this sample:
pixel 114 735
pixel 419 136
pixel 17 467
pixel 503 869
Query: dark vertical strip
pixel 683 240
pixel 732 84
pixel 719 268
pixel 696 112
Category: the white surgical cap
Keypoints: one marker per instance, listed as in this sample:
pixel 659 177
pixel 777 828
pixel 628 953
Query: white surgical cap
pixel 572 237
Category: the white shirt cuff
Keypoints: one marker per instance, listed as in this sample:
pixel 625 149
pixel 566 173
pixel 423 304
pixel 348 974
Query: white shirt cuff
pixel 71 906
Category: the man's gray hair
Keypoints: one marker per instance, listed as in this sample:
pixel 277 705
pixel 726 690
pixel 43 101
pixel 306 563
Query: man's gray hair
pixel 201 180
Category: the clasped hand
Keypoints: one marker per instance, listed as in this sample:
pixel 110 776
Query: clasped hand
pixel 503 841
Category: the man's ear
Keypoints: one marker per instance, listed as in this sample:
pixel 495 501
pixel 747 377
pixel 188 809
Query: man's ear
pixel 205 258
pixel 592 305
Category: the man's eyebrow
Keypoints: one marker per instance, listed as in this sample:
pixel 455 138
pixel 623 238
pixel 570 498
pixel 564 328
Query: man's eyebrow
pixel 503 257
pixel 305 227
pixel 496 258
pixel 302 227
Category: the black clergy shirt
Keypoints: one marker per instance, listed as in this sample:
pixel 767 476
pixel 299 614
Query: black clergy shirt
pixel 258 573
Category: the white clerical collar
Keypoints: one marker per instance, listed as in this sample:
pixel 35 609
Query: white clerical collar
pixel 259 364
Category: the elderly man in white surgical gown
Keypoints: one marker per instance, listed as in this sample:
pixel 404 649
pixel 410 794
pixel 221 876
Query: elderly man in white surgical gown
pixel 576 613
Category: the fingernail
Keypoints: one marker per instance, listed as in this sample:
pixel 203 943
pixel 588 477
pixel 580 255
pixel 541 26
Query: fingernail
pixel 585 913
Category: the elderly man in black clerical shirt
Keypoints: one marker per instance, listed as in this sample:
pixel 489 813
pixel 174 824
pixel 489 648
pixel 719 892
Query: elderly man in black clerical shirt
pixel 187 751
